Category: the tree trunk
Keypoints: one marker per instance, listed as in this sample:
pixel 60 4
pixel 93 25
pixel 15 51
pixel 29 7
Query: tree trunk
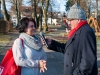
pixel 34 14
pixel 19 9
pixel 96 9
pixel 51 15
pixel 40 20
pixel 83 5
pixel 45 16
pixel 17 12
pixel 89 9
pixel 77 1
pixel 6 15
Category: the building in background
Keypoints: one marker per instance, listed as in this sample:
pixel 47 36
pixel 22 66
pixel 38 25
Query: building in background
pixel 26 11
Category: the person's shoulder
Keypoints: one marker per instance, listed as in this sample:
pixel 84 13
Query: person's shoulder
pixel 17 41
pixel 87 31
pixel 87 28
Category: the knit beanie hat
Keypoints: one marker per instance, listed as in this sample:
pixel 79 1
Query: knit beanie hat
pixel 76 12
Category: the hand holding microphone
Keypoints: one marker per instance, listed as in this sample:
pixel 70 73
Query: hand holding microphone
pixel 45 41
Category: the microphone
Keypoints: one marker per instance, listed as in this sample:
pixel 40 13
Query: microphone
pixel 43 37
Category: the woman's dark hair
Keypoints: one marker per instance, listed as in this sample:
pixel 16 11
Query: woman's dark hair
pixel 24 23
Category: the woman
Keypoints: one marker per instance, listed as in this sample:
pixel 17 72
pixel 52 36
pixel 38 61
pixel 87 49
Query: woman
pixel 29 55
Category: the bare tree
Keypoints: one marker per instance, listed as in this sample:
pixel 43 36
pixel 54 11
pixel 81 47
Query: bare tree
pixel 34 4
pixel 6 15
pixel 77 1
pixel 42 13
pixel 45 5
pixel 96 8
pixel 88 10
pixel 51 10
pixel 83 4
pixel 17 8
pixel 40 19
pixel 53 6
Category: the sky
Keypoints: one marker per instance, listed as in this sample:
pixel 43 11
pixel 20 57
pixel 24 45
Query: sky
pixel 61 3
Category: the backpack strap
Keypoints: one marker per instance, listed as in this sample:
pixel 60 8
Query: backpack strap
pixel 22 42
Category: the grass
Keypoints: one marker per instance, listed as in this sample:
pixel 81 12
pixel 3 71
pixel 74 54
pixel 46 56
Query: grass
pixel 4 39
pixel 98 43
pixel 98 39
pixel 1 47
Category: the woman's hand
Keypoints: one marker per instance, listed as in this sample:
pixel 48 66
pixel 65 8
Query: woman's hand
pixel 42 65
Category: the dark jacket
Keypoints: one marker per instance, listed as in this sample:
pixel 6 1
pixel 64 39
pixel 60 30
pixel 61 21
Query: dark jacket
pixel 80 53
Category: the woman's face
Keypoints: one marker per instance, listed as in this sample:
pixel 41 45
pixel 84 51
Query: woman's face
pixel 30 28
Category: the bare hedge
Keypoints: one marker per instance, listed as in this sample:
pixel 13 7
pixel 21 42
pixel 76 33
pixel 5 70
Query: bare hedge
pixel 5 26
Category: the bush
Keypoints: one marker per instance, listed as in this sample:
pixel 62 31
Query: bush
pixel 5 26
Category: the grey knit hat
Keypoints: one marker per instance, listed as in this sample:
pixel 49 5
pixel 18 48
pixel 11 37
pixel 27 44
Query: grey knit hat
pixel 76 12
